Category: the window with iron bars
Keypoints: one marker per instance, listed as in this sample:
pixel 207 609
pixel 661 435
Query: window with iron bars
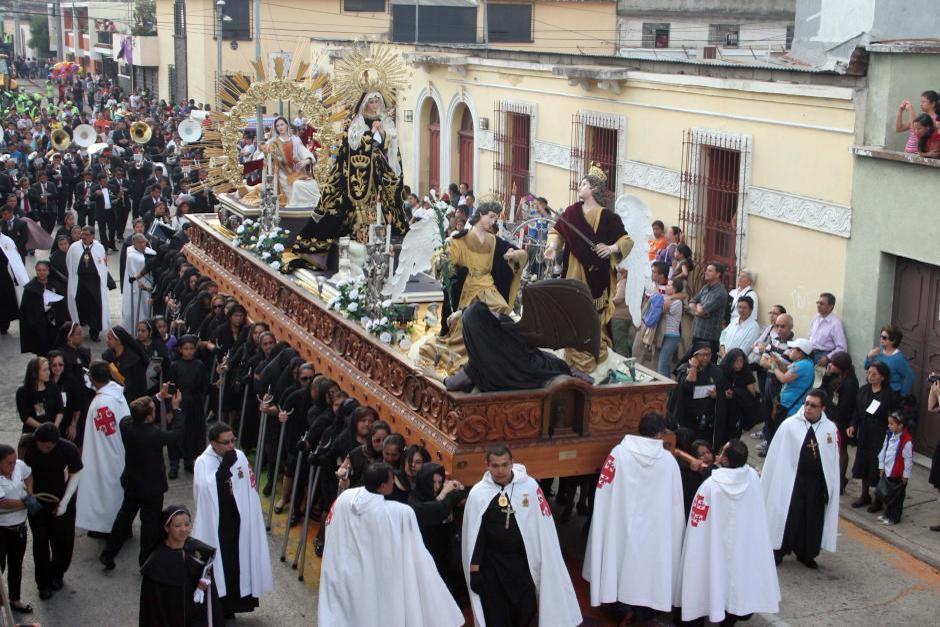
pixel 655 35
pixel 512 139
pixel 711 200
pixel 725 35
pixel 594 139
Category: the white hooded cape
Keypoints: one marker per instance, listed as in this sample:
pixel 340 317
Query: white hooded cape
pixel 100 495
pixel 72 258
pixel 635 543
pixel 779 473
pixel 14 265
pixel 135 305
pixel 558 605
pixel 727 561
pixel 254 561
pixel 376 570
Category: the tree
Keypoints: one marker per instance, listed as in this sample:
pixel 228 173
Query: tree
pixel 39 35
pixel 145 18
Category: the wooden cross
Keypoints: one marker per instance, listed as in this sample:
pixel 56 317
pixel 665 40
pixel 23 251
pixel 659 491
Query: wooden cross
pixel 812 446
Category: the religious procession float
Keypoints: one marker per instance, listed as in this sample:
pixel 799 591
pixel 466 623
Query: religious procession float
pixel 313 237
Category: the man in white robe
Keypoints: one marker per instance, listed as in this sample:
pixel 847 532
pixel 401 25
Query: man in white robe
pixel 635 542
pixel 87 264
pixel 376 569
pixel 229 519
pixel 100 498
pixel 137 288
pixel 728 570
pixel 800 481
pixel 511 556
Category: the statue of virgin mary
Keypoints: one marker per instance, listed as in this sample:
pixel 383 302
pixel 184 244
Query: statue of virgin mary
pixel 293 163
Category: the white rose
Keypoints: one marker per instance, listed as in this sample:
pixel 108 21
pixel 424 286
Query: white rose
pixel 276 265
pixel 365 321
pixel 384 320
pixel 404 343
pixel 387 303
pixel 265 255
pixel 385 337
pixel 353 306
pixel 279 248
pixel 354 294
pixel 240 229
pixel 333 302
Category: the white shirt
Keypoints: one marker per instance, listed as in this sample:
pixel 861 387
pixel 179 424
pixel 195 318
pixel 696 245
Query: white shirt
pixel 740 334
pixel 15 488
pixel 737 293
pixel 107 197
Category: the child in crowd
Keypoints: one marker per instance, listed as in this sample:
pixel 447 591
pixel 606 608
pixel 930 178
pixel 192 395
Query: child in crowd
pixel 672 325
pixel 894 465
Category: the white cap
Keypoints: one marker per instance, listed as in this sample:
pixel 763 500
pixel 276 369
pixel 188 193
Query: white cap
pixel 803 344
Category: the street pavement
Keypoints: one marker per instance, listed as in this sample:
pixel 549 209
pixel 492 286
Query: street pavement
pixel 869 581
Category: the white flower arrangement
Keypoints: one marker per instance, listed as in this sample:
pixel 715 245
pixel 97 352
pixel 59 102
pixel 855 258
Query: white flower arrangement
pixel 270 247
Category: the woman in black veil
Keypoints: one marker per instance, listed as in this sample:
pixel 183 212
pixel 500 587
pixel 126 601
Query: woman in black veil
pixel 177 567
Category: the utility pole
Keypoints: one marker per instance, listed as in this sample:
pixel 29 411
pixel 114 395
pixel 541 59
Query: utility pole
pixel 59 30
pixel 259 112
pixel 18 48
pixel 75 35
pixel 417 19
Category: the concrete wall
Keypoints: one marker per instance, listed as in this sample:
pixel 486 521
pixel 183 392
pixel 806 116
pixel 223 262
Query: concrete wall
pixel 893 78
pixel 693 32
pixel 730 9
pixel 896 216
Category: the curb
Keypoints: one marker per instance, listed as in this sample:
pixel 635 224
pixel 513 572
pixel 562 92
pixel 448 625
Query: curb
pixel 884 533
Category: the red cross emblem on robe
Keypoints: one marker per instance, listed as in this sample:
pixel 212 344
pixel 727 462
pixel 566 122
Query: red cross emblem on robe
pixel 329 515
pixel 251 475
pixel 543 503
pixel 607 472
pixel 699 511
pixel 105 422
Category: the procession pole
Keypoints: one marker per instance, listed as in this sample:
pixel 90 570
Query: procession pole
pixel 274 477
pixel 290 512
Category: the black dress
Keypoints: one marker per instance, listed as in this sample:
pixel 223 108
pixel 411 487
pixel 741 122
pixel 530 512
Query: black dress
pixel 170 577
pixel 133 369
pixel 697 416
pixel 229 529
pixel 8 307
pixel 436 518
pixel 870 431
pixel 88 295
pixel 37 326
pixel 192 380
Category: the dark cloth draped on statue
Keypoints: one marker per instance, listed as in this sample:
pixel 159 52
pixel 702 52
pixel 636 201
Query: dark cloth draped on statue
pixel 803 532
pixel 502 273
pixel 88 295
pixel 609 231
pixel 357 180
pixel 229 529
pixel 502 360
pixel 170 577
pixel 508 592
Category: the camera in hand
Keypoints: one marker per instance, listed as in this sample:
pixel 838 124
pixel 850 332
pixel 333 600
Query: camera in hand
pixel 933 377
pixel 171 389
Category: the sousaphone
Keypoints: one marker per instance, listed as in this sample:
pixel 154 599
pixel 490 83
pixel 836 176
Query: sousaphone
pixel 61 139
pixel 190 130
pixel 84 135
pixel 141 132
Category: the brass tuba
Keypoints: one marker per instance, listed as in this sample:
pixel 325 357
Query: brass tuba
pixel 141 132
pixel 61 139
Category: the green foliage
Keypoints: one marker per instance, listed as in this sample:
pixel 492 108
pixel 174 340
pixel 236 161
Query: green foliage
pixel 145 18
pixel 39 35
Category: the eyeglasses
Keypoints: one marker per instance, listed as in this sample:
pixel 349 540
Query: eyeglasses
pixel 884 337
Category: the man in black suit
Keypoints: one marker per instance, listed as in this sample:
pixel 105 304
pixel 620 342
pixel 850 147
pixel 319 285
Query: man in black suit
pixel 13 227
pixel 104 197
pixel 44 199
pixel 144 477
pixel 84 201
pixel 8 177
pixel 120 136
pixel 138 171
pixel 121 205
pixel 149 204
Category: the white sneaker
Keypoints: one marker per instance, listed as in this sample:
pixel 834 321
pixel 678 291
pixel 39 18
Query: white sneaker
pixel 881 518
pixel 887 522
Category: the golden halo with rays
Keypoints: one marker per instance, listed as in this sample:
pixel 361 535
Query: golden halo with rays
pixel 367 68
pixel 240 99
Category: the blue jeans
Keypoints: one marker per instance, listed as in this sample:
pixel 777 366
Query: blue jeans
pixel 666 353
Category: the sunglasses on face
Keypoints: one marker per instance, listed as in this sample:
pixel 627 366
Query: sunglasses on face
pixel 884 337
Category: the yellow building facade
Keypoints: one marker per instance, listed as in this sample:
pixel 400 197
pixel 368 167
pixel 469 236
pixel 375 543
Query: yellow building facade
pixel 782 152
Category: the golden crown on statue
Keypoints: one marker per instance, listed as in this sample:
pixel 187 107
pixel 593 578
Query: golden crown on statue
pixel 597 171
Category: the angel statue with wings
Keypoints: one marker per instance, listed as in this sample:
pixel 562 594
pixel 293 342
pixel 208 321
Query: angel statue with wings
pixel 485 269
pixel 596 242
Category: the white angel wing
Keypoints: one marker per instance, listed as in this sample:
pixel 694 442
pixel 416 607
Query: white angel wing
pixel 417 252
pixel 636 217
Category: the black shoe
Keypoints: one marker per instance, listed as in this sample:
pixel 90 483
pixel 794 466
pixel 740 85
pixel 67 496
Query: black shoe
pixel 778 559
pixel 267 490
pixel 107 561
pixel 811 564
pixel 45 594
pixel 98 535
pixel 875 506
pixel 174 473
pixel 861 501
pixel 57 583
pixel 935 527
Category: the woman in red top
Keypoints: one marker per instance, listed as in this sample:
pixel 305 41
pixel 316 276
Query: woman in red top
pixel 928 137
